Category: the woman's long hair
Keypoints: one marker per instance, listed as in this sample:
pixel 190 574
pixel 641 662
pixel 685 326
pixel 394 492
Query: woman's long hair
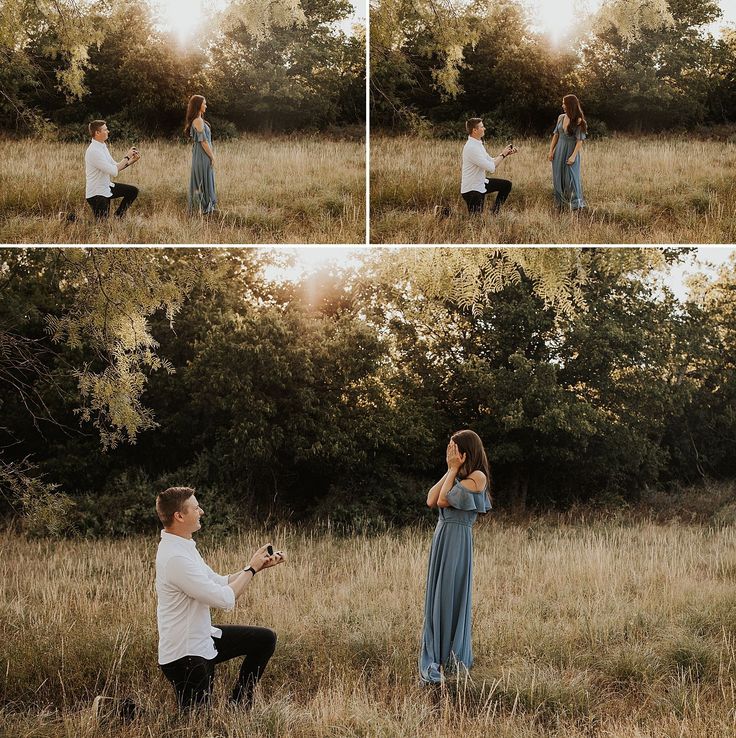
pixel 468 442
pixel 195 103
pixel 576 118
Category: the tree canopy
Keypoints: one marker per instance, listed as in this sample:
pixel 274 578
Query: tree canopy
pixel 66 62
pixel 125 371
pixel 636 65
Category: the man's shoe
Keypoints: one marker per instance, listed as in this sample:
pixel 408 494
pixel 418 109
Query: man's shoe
pixel 106 709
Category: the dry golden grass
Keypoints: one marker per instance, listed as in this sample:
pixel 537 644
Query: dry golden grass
pixel 297 190
pixel 609 629
pixel 638 190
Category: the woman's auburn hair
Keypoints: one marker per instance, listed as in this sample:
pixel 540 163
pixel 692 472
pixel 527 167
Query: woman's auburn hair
pixel 468 442
pixel 575 115
pixel 195 103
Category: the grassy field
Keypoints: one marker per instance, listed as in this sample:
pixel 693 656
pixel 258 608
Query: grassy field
pixel 615 629
pixel 638 190
pixel 297 190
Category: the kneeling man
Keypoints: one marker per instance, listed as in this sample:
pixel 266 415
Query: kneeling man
pixel 188 645
pixel 100 167
pixel 476 162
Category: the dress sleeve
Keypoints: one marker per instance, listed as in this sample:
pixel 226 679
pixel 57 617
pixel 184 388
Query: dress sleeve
pixel 462 498
pixel 198 135
pixel 580 135
pixel 557 124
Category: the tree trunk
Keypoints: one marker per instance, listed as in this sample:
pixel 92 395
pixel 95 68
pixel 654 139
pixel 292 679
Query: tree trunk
pixel 518 489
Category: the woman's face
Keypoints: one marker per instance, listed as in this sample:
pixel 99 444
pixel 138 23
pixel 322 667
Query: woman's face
pixel 203 107
pixel 564 106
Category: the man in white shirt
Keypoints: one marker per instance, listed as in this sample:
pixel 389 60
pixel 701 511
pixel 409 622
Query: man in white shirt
pixel 475 184
pixel 100 167
pixel 188 645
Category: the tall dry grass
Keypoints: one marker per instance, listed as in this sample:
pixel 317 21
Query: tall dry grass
pixel 606 629
pixel 638 190
pixel 296 190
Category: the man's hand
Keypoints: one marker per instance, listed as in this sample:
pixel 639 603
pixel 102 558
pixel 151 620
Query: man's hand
pixel 279 557
pixel 260 558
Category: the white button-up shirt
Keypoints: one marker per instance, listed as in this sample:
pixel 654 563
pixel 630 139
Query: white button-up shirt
pixel 476 163
pixel 100 166
pixel 186 588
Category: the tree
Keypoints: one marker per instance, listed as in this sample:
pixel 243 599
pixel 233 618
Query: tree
pixel 66 30
pixel 653 74
pixel 100 300
pixel 468 275
pixel 573 403
pixel 305 74
pixel 38 37
pixel 446 33
pixel 700 436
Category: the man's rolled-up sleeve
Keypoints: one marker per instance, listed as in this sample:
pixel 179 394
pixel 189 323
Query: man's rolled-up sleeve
pixel 195 582
pixel 99 161
pixel 481 159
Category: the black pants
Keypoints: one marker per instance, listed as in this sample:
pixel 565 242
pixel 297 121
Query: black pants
pixel 476 200
pixel 101 205
pixel 193 676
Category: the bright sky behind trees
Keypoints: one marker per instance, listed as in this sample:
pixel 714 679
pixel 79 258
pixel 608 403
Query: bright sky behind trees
pixel 311 259
pixel 184 18
pixel 557 18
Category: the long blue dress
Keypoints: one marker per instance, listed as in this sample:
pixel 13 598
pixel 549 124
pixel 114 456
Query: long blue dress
pixel 566 179
pixel 202 197
pixel 446 638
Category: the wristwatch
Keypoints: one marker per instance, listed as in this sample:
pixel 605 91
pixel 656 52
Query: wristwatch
pixel 251 569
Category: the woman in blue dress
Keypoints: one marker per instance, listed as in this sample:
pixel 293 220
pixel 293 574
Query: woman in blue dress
pixel 202 198
pixel 564 153
pixel 461 495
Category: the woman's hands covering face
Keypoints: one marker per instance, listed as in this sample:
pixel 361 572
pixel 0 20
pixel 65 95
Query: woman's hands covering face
pixel 454 458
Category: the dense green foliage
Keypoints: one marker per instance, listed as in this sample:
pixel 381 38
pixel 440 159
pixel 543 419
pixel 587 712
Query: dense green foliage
pixel 294 71
pixel 636 66
pixel 334 397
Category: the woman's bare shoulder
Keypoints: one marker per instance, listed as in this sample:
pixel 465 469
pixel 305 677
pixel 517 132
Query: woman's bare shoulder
pixel 198 124
pixel 475 481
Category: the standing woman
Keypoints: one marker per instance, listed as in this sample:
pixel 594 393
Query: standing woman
pixel 460 495
pixel 202 198
pixel 564 153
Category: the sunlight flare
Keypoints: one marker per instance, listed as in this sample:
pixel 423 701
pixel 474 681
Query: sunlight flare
pixel 300 262
pixel 182 18
pixel 557 19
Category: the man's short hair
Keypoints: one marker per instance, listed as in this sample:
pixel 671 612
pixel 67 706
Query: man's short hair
pixel 171 501
pixel 471 123
pixel 95 126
